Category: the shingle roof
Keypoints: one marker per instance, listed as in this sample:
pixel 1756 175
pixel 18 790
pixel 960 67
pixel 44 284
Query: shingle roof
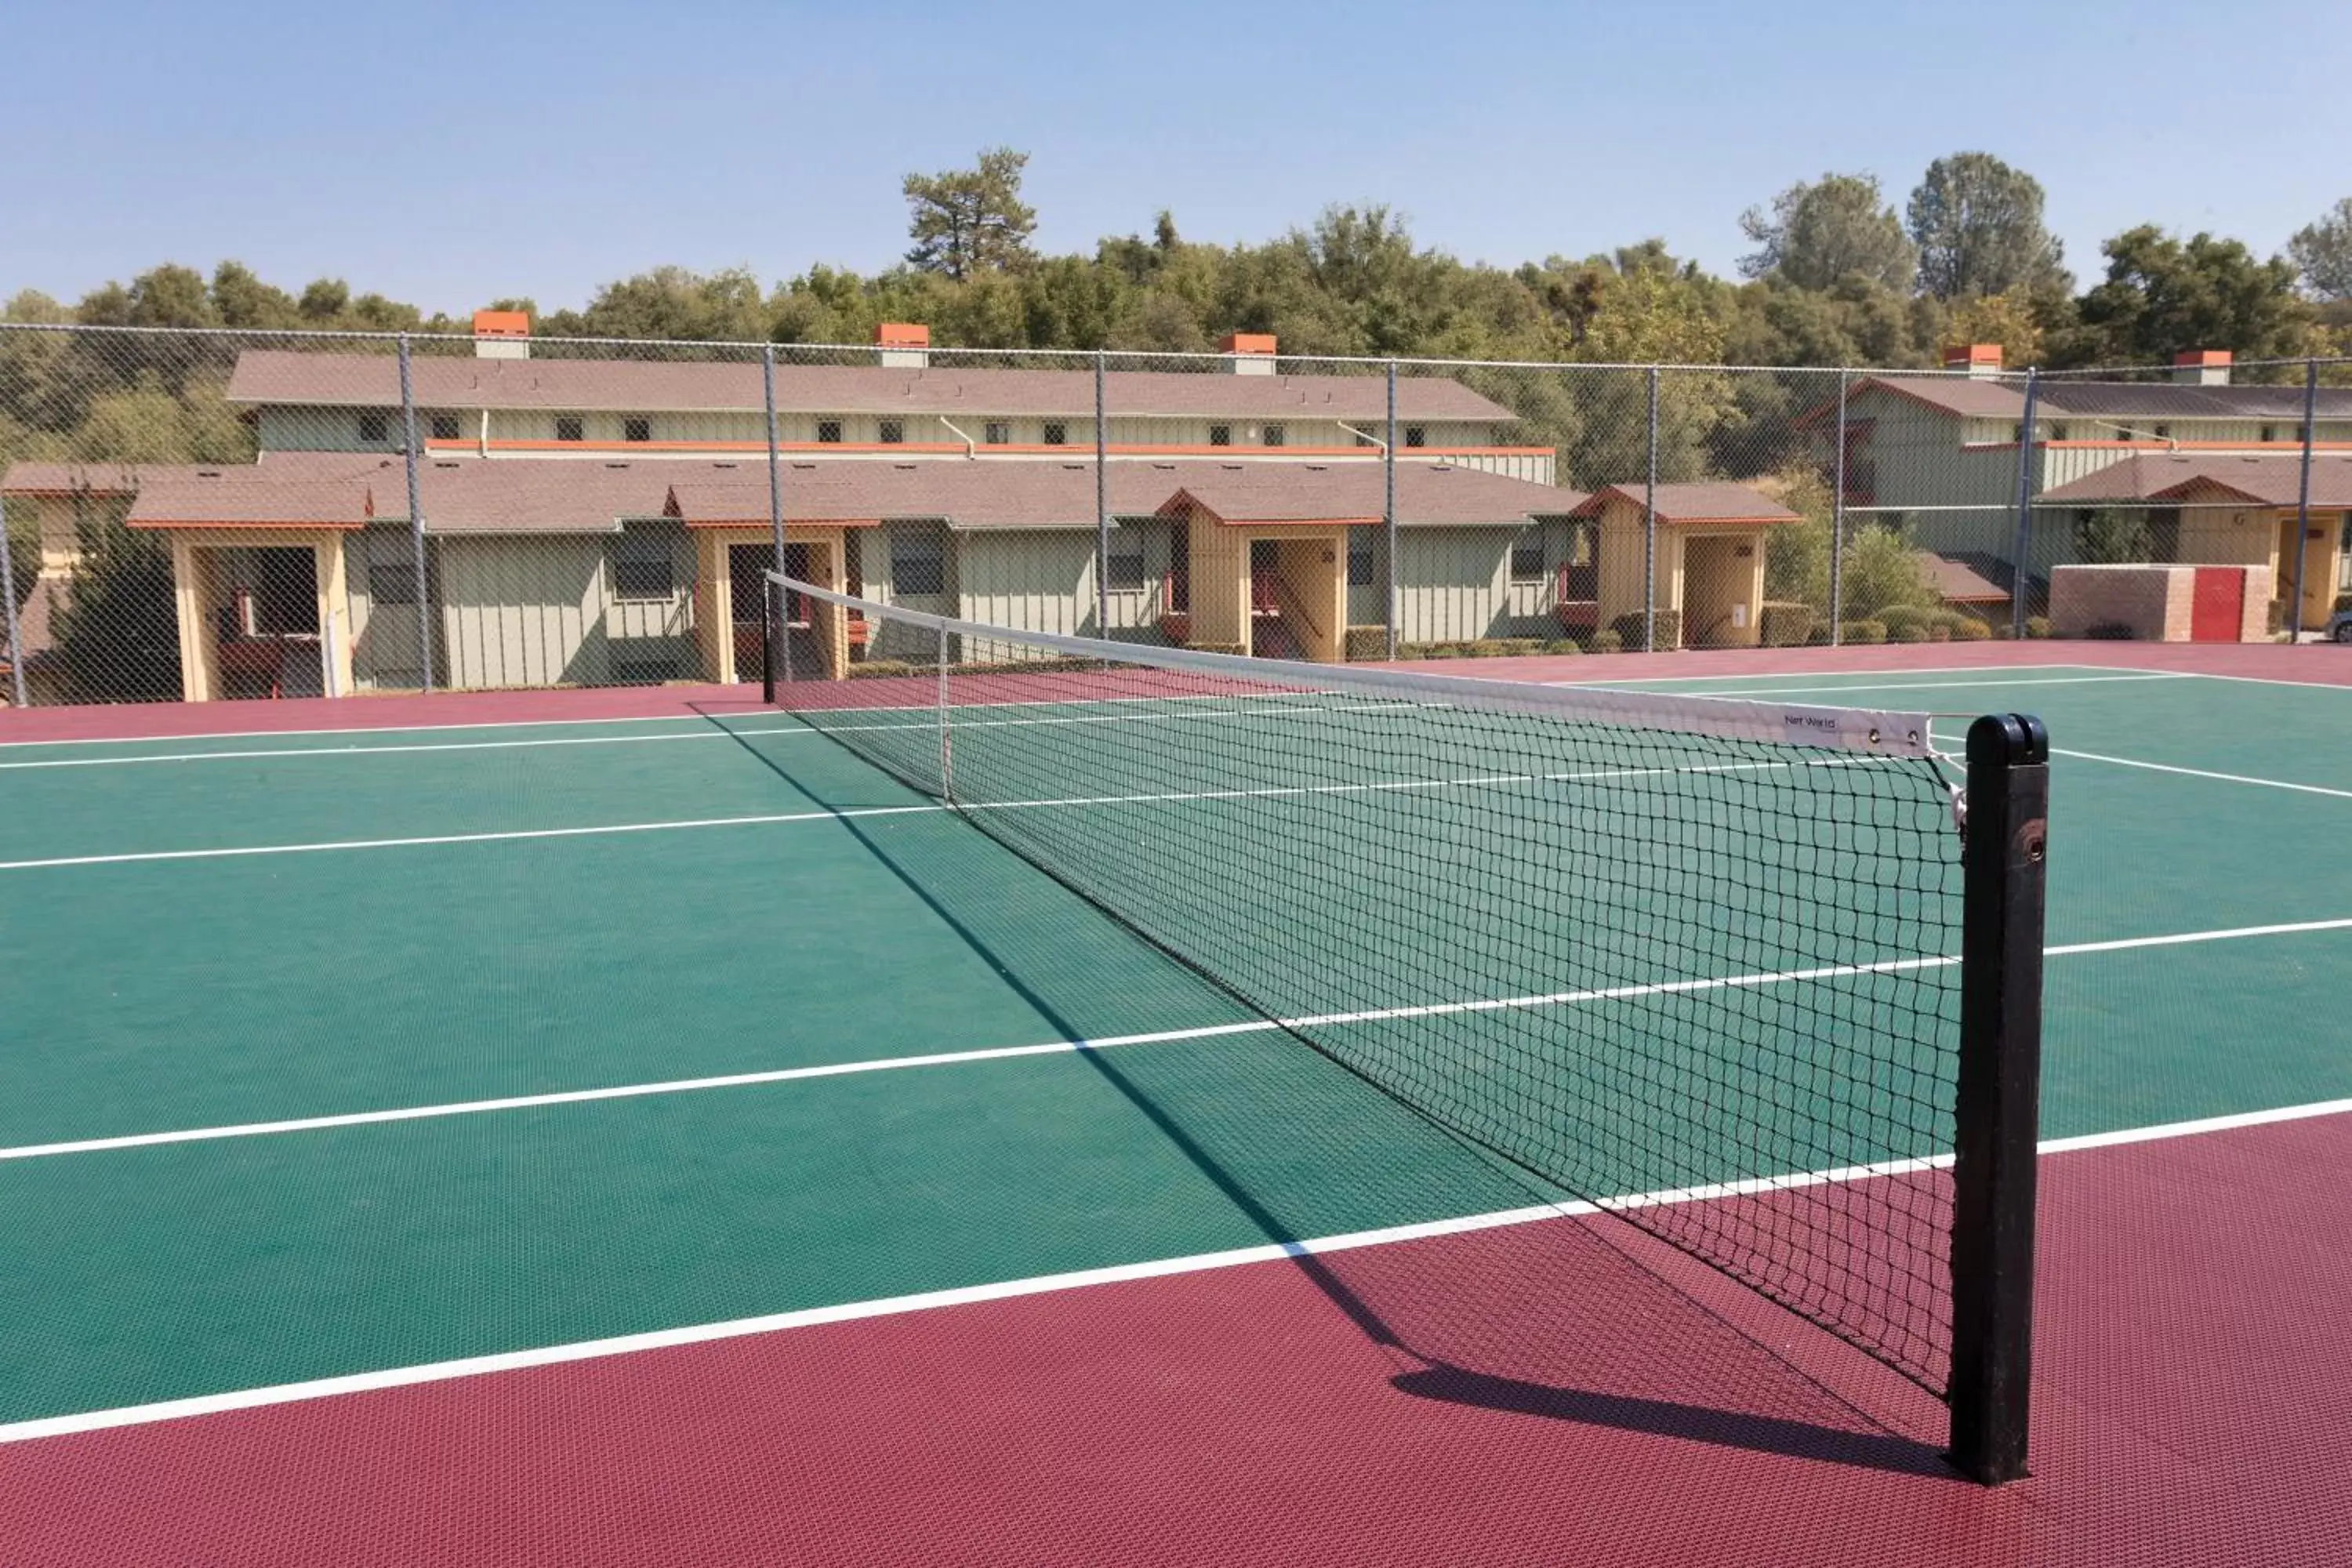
pixel 96 478
pixel 1956 582
pixel 235 498
pixel 1972 398
pixel 1704 502
pixel 1004 493
pixel 554 495
pixel 371 380
pixel 2267 479
pixel 1428 494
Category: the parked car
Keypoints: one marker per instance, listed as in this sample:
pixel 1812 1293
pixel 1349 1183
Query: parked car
pixel 2339 626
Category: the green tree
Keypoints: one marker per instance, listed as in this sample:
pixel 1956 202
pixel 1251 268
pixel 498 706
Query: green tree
pixel 1821 233
pixel 1977 222
pixel 1880 569
pixel 2322 253
pixel 241 299
pixel 117 637
pixel 969 221
pixel 2110 536
pixel 670 302
pixel 2162 295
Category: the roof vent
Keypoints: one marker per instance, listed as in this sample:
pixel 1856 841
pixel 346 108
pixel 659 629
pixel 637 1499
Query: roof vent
pixel 1231 468
pixel 1318 468
pixel 1165 468
pixel 807 465
pixel 736 465
pixel 616 465
pixel 444 463
pixel 208 473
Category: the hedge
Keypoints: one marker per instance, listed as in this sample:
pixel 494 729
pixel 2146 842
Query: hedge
pixel 1862 632
pixel 1784 624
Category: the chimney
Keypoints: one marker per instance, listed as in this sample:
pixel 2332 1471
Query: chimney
pixel 501 334
pixel 1981 361
pixel 903 346
pixel 2201 367
pixel 1248 353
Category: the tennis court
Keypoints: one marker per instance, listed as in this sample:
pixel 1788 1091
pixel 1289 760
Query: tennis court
pixel 673 1138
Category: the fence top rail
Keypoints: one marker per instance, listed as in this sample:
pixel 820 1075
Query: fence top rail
pixel 1114 355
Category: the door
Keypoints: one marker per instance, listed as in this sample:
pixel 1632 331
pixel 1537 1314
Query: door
pixel 2218 604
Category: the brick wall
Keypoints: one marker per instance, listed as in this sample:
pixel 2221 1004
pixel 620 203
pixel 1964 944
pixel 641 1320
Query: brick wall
pixel 2153 601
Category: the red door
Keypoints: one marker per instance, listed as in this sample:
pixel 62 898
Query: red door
pixel 2217 608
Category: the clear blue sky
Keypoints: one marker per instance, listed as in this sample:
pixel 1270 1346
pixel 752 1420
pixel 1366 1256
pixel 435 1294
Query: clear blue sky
pixel 450 155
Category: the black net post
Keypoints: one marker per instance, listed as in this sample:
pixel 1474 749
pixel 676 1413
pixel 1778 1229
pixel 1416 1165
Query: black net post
pixel 1996 1103
pixel 768 640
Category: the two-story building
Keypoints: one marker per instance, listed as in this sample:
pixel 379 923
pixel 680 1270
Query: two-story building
pixel 1940 453
pixel 590 521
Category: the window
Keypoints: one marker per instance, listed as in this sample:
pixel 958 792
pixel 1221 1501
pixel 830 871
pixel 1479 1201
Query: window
pixel 918 563
pixel 2058 432
pixel 2017 434
pixel 1359 558
pixel 570 427
pixel 375 427
pixel 2269 434
pixel 892 432
pixel 1527 557
pixel 1221 434
pixel 643 567
pixel 1274 435
pixel 637 428
pixel 999 433
pixel 1057 433
pixel 1364 440
pixel 392 582
pixel 828 432
pixel 1123 572
pixel 2164 432
pixel 445 428
pixel 1416 435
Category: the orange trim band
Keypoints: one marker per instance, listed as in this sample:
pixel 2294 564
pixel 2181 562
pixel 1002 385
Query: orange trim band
pixel 1124 450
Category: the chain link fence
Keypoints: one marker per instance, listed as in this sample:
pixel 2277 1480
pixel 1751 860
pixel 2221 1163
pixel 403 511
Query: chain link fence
pixel 208 515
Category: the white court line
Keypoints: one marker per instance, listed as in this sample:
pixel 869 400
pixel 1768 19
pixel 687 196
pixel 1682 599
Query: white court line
pixel 1159 1036
pixel 751 708
pixel 1777 693
pixel 2203 774
pixel 1074 1280
pixel 1859 676
pixel 1269 708
pixel 140 857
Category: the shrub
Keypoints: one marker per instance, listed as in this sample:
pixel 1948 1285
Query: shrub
pixel 1862 632
pixel 872 668
pixel 1605 640
pixel 1668 629
pixel 1819 637
pixel 1784 624
pixel 1561 645
pixel 1899 618
pixel 1967 628
pixel 1909 631
pixel 2037 626
pixel 1444 650
pixel 2109 631
pixel 1369 642
pixel 118 636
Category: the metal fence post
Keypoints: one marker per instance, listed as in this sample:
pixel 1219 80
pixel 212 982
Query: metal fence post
pixel 8 611
pixel 2025 432
pixel 1837 524
pixel 1650 531
pixel 1102 508
pixel 1393 610
pixel 776 607
pixel 1996 1102
pixel 415 521
pixel 2303 496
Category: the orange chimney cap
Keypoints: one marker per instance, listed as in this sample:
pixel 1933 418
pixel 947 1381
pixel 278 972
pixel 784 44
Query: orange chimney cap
pixel 1972 353
pixel 1247 343
pixel 902 336
pixel 501 324
pixel 2201 356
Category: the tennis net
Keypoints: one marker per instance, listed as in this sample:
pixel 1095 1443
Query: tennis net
pixel 1695 960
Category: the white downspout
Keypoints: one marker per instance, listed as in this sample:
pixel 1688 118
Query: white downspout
pixel 971 447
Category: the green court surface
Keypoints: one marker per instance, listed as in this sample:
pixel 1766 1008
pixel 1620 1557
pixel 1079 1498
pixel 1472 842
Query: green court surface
pixel 382 929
